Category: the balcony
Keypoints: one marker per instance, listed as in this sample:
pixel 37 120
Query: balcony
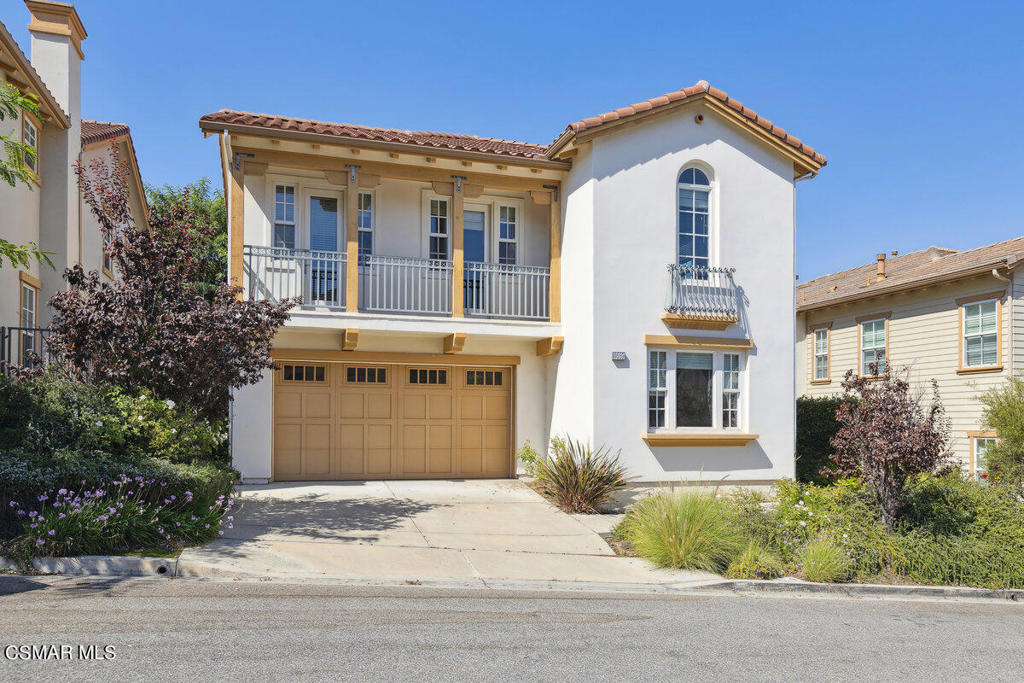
pixel 397 284
pixel 701 298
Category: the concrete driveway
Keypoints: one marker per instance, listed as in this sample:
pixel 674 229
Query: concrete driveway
pixel 475 531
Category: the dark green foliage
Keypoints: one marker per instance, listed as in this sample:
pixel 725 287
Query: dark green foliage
pixel 816 424
pixel 1004 412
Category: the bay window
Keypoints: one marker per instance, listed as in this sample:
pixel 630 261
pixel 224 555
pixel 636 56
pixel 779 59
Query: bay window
pixel 704 392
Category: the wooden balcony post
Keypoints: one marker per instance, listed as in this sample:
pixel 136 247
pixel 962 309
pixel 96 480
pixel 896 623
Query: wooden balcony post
pixel 458 268
pixel 555 270
pixel 352 241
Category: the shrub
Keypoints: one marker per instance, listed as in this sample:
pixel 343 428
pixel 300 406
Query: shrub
pixel 529 459
pixel 755 563
pixel 684 530
pixel 886 437
pixel 577 478
pixel 823 562
pixel 1004 412
pixel 128 513
pixel 816 424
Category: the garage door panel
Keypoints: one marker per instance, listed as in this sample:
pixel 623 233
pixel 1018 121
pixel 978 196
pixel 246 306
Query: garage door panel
pixel 288 404
pixel 316 404
pixel 352 405
pixel 288 449
pixel 439 406
pixel 378 448
pixel 316 449
pixel 496 407
pixel 414 449
pixel 414 407
pixel 471 406
pixel 378 406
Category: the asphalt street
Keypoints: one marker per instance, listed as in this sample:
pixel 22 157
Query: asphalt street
pixel 191 629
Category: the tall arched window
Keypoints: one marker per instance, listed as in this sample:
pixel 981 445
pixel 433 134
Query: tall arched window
pixel 694 219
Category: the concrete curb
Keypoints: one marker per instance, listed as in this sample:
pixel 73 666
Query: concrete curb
pixel 101 565
pixel 865 590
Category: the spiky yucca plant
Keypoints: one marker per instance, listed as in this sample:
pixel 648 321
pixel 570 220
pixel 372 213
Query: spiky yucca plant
pixel 578 478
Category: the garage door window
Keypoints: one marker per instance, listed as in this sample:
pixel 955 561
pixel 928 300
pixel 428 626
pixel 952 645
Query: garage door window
pixel 366 375
pixel 304 373
pixel 483 378
pixel 425 376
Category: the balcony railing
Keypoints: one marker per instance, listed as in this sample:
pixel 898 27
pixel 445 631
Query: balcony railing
pixel 402 284
pixel 702 294
pixel 501 290
pixel 23 347
pixel 277 273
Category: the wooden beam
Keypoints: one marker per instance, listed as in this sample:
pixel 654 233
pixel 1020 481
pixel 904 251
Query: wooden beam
pixel 698 439
pixel 555 269
pixel 542 197
pixel 349 338
pixel 472 190
pixel 352 242
pixel 336 177
pixel 236 209
pixel 326 355
pixel 369 180
pixel 454 342
pixel 458 265
pixel 549 346
pixel 253 168
pixel 442 188
pixel 724 343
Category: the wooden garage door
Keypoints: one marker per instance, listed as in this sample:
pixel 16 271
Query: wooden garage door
pixel 381 421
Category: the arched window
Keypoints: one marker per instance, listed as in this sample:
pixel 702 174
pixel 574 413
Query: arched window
pixel 694 218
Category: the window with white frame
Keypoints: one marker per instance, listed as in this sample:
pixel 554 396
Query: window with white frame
pixel 507 234
pixel 694 196
pixel 703 392
pixel 30 138
pixel 284 216
pixel 981 446
pixel 981 334
pixel 872 347
pixel 108 262
pixel 821 360
pixel 364 220
pixel 439 229
pixel 730 390
pixel 29 297
pixel 657 388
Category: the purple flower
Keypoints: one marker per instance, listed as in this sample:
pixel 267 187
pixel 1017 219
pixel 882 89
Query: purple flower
pixel 220 533
pixel 40 542
pixel 32 526
pixel 62 491
pixel 207 526
pixel 33 513
pixel 61 516
pixel 51 532
pixel 12 504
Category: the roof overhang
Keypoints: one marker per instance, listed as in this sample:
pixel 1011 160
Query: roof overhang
pixel 213 127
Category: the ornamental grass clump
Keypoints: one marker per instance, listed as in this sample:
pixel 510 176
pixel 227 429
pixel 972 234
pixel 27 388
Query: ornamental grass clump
pixel 578 478
pixel 755 563
pixel 684 530
pixel 130 513
pixel 824 562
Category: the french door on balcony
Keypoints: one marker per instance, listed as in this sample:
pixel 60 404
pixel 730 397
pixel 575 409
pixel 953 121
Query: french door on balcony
pixel 324 277
pixel 474 250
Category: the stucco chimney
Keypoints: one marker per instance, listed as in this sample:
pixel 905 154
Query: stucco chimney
pixel 57 35
pixel 881 268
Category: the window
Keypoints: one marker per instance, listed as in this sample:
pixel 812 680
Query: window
pixel 821 359
pixel 730 391
pixel 694 375
pixel 426 376
pixel 981 445
pixel 507 222
pixel 657 388
pixel 365 223
pixel 872 347
pixel 29 296
pixel 284 216
pixel 366 375
pixel 303 373
pixel 483 378
pixel 439 229
pixel 981 334
pixel 108 262
pixel 694 218
pixel 30 138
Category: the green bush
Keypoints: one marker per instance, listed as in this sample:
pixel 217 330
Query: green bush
pixel 816 424
pixel 755 563
pixel 823 562
pixel 577 478
pixel 1004 412
pixel 529 458
pixel 684 530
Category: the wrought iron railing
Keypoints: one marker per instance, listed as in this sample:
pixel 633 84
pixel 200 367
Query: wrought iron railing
pixel 277 273
pixel 403 284
pixel 506 290
pixel 23 347
pixel 702 291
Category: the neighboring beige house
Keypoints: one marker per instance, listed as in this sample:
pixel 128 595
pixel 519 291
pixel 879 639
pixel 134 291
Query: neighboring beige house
pixel 51 213
pixel 955 316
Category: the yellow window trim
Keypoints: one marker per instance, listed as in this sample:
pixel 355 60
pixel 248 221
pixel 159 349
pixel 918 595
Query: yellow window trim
pixel 811 329
pixel 38 125
pixel 973 435
pixel 964 301
pixel 697 439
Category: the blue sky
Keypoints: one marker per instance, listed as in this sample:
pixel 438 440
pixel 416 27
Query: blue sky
pixel 916 105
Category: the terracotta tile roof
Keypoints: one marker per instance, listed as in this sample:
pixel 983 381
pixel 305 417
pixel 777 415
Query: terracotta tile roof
pixel 97 131
pixel 450 141
pixel 917 268
pixel 699 89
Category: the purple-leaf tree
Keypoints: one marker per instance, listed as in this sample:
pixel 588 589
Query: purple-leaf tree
pixel 151 328
pixel 886 436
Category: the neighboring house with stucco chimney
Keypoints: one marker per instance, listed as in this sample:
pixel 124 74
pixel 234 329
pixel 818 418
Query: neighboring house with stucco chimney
pixel 51 213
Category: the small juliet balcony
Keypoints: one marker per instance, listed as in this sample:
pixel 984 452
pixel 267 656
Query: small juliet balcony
pixel 701 298
pixel 397 284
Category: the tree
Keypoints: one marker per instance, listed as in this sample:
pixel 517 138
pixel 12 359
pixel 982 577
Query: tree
pixel 211 226
pixel 13 170
pixel 886 436
pixel 1004 412
pixel 152 329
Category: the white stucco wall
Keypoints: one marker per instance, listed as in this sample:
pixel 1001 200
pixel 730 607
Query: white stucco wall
pixel 629 179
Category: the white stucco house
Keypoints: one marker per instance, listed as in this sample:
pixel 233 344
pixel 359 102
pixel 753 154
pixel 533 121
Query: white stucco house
pixel 51 213
pixel 629 284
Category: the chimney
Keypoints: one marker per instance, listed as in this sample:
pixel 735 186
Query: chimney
pixel 881 268
pixel 57 35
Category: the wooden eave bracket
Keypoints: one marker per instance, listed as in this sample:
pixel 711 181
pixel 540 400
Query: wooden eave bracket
pixel 349 339
pixel 454 342
pixel 549 346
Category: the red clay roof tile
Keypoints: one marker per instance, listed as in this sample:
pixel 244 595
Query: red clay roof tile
pixel 97 131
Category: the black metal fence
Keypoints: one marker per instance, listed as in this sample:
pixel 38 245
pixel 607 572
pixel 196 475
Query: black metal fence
pixel 23 347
